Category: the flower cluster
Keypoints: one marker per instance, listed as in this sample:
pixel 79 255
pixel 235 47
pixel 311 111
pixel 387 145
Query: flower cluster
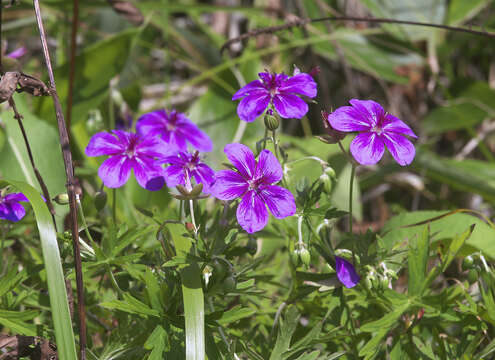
pixel 164 137
pixel 10 207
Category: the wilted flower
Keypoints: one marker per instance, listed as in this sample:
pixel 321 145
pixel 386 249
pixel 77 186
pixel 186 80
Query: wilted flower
pixel 184 167
pixel 346 272
pixel 278 89
pixel 175 129
pixel 253 182
pixel 129 151
pixel 377 130
pixel 10 207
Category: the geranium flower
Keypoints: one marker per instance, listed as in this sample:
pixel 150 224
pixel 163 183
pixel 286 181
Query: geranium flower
pixel 10 207
pixel 253 182
pixel 175 129
pixel 184 167
pixel 279 90
pixel 346 272
pixel 17 53
pixel 377 130
pixel 129 151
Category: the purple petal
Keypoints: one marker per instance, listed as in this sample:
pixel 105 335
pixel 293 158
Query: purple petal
pixel 370 109
pixel 12 211
pixel 174 174
pixel 177 142
pixel 401 149
pixel 253 86
pixel 367 148
pixel 393 124
pixel 290 106
pixel 242 158
pixel 266 77
pixel 152 123
pixel 149 174
pixel 115 171
pixel 228 185
pixel 205 175
pixel 300 84
pixel 17 53
pixel 268 168
pixel 155 148
pixel 346 272
pixel 251 212
pixel 253 105
pixel 198 139
pixel 126 137
pixel 104 144
pixel 15 197
pixel 280 201
pixel 348 119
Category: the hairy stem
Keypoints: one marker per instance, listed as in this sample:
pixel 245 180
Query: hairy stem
pixel 43 186
pixel 304 22
pixel 69 171
pixel 72 59
pixel 351 185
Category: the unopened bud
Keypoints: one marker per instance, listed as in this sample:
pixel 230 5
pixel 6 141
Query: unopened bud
pixel 326 181
pixel 229 284
pixel 61 199
pixel 100 200
pixel 305 256
pixel 294 255
pixel 472 276
pixel 468 263
pixel 271 122
pixel 252 246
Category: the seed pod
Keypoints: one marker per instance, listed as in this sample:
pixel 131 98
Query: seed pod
pixel 100 200
pixel 295 256
pixel 252 246
pixel 8 85
pixel 61 199
pixel 472 276
pixel 327 183
pixel 271 122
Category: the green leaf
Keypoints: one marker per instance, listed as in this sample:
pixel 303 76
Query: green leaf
pixel 234 314
pixel 131 305
pixel 55 278
pixel 420 10
pixel 96 65
pixel 192 294
pixel 395 231
pixel 417 262
pixel 455 246
pixel 309 356
pixel 158 342
pixel 461 11
pixel 10 280
pixel 387 321
pixel 286 329
pixel 424 348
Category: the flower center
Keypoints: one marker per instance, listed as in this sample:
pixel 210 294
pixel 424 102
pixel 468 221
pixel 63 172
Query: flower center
pixel 254 183
pixel 131 148
pixel 377 129
pixel 172 119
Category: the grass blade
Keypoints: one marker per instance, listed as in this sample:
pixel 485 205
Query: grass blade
pixel 64 334
pixel 192 292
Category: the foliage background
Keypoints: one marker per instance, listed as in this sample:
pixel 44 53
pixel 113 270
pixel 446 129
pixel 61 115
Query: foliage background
pixel 441 83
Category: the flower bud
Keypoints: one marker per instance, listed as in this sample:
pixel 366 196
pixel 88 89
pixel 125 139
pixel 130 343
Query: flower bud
pixel 61 199
pixel 468 263
pixel 305 256
pixel 326 181
pixel 229 284
pixel 271 122
pixel 472 276
pixel 252 246
pixel 296 260
pixel 100 200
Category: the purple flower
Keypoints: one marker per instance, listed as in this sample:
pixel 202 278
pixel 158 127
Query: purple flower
pixel 377 130
pixel 346 272
pixel 17 53
pixel 278 89
pixel 185 166
pixel 175 129
pixel 10 209
pixel 129 151
pixel 253 182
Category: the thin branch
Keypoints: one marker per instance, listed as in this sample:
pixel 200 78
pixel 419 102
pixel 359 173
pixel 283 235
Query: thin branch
pixel 44 189
pixel 304 22
pixel 72 59
pixel 69 170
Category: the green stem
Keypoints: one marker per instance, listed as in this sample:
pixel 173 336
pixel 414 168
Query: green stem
pixel 264 138
pixel 114 206
pixel 193 220
pixel 351 185
pixel 83 218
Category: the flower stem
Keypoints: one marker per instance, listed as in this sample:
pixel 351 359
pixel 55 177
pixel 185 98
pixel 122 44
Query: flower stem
pixel 264 138
pixel 239 133
pixel 83 218
pixel 193 220
pixel 351 185
pixel 114 206
pixel 299 230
